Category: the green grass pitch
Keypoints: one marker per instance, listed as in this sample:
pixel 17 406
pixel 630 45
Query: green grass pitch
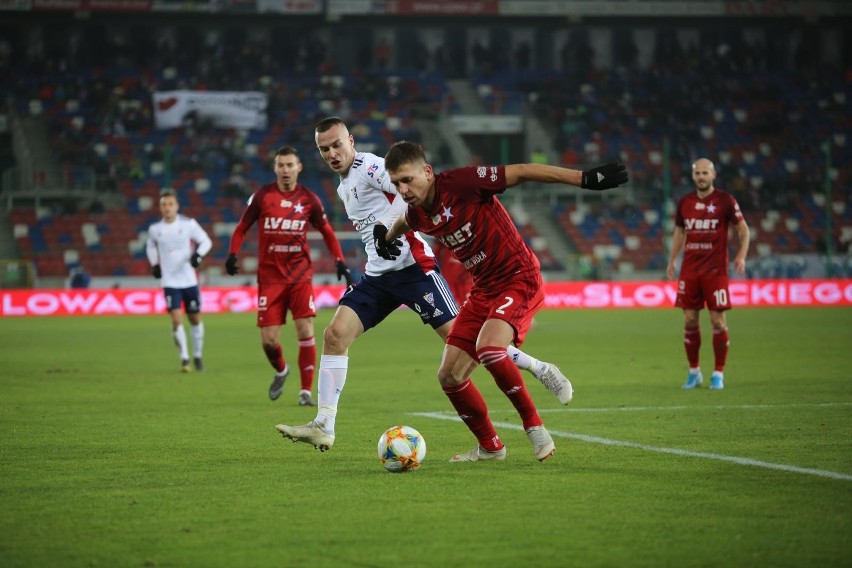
pixel 110 457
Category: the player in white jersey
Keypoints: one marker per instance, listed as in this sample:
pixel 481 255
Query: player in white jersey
pixel 175 247
pixel 369 198
pixel 412 279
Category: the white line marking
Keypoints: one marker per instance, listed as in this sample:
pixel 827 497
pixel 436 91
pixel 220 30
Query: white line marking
pixel 662 450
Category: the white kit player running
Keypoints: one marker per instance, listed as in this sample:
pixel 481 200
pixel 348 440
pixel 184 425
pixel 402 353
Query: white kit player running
pixel 412 279
pixel 175 247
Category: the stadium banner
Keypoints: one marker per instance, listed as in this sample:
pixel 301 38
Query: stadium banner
pixel 183 6
pixel 443 7
pixel 558 295
pixel 618 8
pixel 487 123
pixel 92 5
pixel 224 109
pixel 292 7
pixel 338 8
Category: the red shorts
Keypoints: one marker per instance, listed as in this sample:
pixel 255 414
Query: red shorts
pixel 694 293
pixel 516 304
pixel 273 301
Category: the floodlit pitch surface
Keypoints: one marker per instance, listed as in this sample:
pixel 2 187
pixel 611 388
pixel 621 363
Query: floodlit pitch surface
pixel 110 457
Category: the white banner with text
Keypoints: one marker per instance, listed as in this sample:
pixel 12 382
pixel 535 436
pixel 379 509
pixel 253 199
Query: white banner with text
pixel 220 109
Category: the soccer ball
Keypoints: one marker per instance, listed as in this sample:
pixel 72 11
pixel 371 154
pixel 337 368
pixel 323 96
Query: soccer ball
pixel 401 448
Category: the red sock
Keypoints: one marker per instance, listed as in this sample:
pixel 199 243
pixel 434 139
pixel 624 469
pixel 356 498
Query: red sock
pixel 275 356
pixel 692 344
pixel 471 408
pixel 307 362
pixel 507 376
pixel 720 348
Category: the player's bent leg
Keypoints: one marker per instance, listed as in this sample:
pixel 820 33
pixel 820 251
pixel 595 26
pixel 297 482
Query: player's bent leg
pixel 342 331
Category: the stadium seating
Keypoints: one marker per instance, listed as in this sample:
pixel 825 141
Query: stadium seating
pixel 770 158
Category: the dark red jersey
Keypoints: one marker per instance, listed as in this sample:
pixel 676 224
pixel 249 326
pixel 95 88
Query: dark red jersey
pixel 706 223
pixel 468 219
pixel 282 223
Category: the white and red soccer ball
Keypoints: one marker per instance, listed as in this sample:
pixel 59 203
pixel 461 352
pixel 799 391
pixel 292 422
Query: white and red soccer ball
pixel 401 448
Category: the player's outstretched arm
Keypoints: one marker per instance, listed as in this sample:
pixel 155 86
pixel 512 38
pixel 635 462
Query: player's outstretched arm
pixel 602 177
pixel 399 228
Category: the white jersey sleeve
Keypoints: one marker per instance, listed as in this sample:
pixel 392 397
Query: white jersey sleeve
pixel 203 242
pixel 171 245
pixel 369 198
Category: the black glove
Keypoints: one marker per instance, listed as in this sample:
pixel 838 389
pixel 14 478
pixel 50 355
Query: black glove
pixel 606 176
pixel 231 265
pixel 387 250
pixel 155 270
pixel 195 260
pixel 344 272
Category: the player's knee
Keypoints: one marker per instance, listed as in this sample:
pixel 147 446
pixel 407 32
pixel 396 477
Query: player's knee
pixel 447 378
pixel 336 340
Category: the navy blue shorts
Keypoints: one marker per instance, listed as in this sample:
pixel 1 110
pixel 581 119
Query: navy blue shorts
pixel 373 298
pixel 190 297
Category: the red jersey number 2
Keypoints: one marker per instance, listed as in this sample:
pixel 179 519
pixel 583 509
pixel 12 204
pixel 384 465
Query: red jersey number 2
pixel 502 309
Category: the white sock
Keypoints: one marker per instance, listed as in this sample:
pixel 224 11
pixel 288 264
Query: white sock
pixel 523 360
pixel 180 340
pixel 332 377
pixel 197 332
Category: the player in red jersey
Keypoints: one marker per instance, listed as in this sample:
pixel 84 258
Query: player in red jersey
pixel 283 210
pixel 459 208
pixel 702 221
